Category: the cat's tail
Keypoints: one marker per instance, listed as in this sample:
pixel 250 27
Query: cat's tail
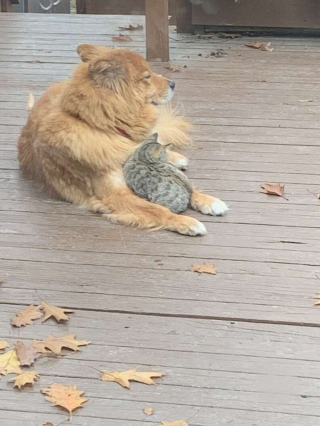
pixel 172 128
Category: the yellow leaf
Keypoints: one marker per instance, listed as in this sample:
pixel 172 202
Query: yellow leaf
pixel 26 377
pixel 26 353
pixel 9 363
pixel 176 423
pixel 124 378
pixel 55 344
pixel 204 269
pixel 318 302
pixel 67 397
pixel 27 316
pixel 30 102
pixel 3 345
pixel 304 100
pixel 148 411
pixel 53 311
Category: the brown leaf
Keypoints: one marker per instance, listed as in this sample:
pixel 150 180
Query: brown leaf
pixel 9 363
pixel 176 423
pixel 173 68
pixel 26 353
pixel 55 344
pixel 30 102
pixel 273 189
pixel 122 37
pixel 53 311
pixel 27 316
pixel 25 378
pixel 204 269
pixel 148 411
pixel 132 27
pixel 3 345
pixel 67 397
pixel 255 44
pixel 124 378
pixel 48 424
pixel 229 35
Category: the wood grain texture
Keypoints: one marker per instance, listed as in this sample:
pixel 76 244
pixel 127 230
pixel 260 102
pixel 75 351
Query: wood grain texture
pixel 238 348
pixel 157 30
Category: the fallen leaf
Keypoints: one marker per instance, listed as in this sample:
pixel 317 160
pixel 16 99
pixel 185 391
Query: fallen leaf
pixel 68 397
pixel 173 68
pixel 229 35
pixel 132 28
pixel 273 189
pixel 219 53
pixel 9 363
pixel 318 302
pixel 55 344
pixel 27 316
pixel 124 378
pixel 204 269
pixel 3 345
pixel 122 37
pixel 53 311
pixel 30 102
pixel 176 423
pixel 261 46
pixel 25 378
pixel 255 44
pixel 148 411
pixel 304 100
pixel 26 353
pixel 267 47
pixel 48 424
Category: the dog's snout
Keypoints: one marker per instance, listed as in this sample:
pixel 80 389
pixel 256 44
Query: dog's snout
pixel 172 84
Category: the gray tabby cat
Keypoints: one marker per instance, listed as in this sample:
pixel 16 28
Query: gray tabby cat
pixel 149 174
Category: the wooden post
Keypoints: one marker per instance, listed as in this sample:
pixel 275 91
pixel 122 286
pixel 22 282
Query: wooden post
pixel 157 30
pixel 81 6
pixel 184 21
pixel 6 6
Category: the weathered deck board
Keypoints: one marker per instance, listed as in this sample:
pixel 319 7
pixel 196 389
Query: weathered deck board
pixel 237 348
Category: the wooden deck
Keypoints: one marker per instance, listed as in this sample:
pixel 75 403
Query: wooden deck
pixel 240 348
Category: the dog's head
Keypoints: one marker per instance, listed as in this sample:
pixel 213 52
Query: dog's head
pixel 126 73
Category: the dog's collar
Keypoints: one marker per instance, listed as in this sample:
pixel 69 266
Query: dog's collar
pixel 123 133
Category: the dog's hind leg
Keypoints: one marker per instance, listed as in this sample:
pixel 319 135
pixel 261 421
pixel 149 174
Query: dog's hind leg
pixel 207 204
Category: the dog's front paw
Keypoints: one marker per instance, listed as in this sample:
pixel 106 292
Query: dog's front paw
pixel 207 204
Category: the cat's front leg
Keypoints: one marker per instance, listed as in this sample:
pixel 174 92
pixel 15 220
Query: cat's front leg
pixel 207 204
pixel 178 160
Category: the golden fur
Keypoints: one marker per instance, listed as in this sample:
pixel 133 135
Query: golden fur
pixel 81 131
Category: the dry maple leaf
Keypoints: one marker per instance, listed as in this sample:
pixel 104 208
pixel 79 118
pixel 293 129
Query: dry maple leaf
pixel 273 189
pixel 67 397
pixel 132 27
pixel 173 68
pixel 121 37
pixel 26 353
pixel 30 102
pixel 9 363
pixel 148 411
pixel 53 311
pixel 27 316
pixel 3 345
pixel 25 378
pixel 255 44
pixel 176 423
pixel 55 344
pixel 124 378
pixel 204 269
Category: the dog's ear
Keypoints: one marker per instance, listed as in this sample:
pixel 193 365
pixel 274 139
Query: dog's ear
pixel 108 73
pixel 89 52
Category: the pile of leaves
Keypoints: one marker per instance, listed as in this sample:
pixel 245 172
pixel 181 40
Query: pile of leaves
pixel 20 361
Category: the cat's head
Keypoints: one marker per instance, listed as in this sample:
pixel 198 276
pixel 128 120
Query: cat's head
pixel 152 151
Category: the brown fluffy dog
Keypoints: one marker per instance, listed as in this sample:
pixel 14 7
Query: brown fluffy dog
pixel 81 131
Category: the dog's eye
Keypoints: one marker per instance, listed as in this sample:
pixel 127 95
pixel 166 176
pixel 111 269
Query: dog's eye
pixel 147 77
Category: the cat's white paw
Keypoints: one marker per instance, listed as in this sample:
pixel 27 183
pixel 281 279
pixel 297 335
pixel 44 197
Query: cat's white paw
pixel 197 229
pixel 217 208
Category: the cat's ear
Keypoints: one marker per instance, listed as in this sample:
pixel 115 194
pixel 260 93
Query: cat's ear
pixel 156 151
pixel 154 137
